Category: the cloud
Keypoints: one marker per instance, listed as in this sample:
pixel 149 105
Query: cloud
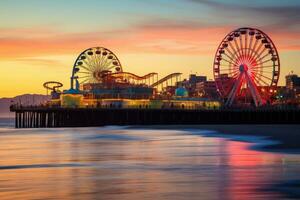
pixel 40 61
pixel 153 36
pixel 270 16
pixel 161 37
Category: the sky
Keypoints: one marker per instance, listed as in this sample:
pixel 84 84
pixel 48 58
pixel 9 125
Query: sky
pixel 40 39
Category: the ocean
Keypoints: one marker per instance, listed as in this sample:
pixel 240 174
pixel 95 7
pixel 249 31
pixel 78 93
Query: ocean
pixel 139 163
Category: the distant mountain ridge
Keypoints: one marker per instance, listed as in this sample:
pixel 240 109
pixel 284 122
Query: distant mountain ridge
pixel 25 99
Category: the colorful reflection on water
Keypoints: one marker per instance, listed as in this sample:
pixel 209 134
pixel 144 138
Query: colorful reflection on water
pixel 116 163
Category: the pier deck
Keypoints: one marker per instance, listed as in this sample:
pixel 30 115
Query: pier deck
pixel 42 117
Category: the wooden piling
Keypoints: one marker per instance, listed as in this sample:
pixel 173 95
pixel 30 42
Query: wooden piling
pixel 83 117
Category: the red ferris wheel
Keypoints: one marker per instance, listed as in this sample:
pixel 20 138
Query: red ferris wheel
pixel 246 60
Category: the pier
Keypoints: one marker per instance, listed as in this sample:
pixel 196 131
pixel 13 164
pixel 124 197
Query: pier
pixel 44 117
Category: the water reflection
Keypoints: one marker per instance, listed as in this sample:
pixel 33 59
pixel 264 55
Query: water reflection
pixel 114 163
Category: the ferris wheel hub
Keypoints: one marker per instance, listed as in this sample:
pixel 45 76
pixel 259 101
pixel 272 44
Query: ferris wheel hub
pixel 243 68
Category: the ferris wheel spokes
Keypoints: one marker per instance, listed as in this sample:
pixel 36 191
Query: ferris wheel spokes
pixel 93 64
pixel 246 47
pixel 236 87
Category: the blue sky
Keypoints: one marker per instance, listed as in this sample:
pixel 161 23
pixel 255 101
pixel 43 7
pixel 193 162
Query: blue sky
pixel 95 15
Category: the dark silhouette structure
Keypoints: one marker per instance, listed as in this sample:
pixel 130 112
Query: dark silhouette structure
pixel 42 117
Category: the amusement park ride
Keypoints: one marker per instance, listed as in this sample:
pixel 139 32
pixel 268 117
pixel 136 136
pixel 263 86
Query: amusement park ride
pixel 246 70
pixel 99 65
pixel 52 86
pixel 246 66
pixel 246 61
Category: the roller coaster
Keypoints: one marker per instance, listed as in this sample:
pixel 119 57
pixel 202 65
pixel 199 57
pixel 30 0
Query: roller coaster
pixel 130 77
pixel 167 79
pixel 98 65
pixel 150 79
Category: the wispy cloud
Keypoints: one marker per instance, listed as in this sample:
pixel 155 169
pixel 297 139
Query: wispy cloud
pixel 160 37
pixel 40 61
pixel 270 16
pixel 152 36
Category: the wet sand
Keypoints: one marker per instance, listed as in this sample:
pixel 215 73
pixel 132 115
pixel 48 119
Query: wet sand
pixel 286 140
pixel 287 136
pixel 117 163
pixel 146 162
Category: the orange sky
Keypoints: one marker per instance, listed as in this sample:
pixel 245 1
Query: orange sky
pixel 33 52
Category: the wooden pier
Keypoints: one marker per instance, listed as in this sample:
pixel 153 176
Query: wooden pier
pixel 43 117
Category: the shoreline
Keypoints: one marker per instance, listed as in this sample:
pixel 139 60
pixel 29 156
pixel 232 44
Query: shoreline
pixel 285 137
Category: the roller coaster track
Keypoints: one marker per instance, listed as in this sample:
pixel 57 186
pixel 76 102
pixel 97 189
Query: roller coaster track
pixel 132 76
pixel 165 79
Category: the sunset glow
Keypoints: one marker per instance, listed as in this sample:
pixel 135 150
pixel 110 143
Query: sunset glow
pixel 40 40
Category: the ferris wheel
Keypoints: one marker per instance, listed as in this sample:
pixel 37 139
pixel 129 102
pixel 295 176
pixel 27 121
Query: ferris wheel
pixel 246 59
pixel 93 64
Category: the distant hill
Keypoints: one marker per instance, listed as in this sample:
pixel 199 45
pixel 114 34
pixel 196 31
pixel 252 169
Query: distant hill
pixel 25 99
